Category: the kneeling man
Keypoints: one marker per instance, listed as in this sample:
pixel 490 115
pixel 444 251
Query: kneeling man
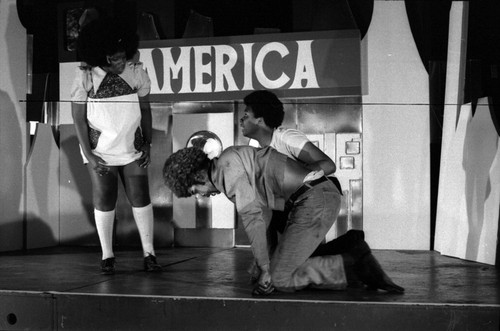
pixel 257 180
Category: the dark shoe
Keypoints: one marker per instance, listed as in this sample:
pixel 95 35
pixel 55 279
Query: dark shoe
pixel 371 273
pixel 108 266
pixel 150 264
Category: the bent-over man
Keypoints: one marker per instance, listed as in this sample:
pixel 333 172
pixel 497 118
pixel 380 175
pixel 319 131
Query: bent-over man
pixel 261 179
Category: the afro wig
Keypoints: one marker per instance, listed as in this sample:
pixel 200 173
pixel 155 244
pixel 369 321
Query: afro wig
pixel 104 37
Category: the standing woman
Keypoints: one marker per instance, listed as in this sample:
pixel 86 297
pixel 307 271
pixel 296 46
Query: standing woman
pixel 112 117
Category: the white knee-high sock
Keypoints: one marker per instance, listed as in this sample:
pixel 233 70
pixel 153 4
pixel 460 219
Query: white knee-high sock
pixel 104 221
pixel 144 219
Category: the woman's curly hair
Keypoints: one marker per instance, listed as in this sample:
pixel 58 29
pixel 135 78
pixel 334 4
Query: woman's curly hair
pixel 266 104
pixel 104 37
pixel 180 170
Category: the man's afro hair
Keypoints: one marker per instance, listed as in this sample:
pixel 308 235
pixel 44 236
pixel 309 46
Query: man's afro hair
pixel 180 170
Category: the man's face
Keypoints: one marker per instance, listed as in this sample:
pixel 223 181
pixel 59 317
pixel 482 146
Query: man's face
pixel 205 190
pixel 248 123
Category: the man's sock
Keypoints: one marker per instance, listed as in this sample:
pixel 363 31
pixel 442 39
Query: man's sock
pixel 104 221
pixel 144 219
pixel 340 245
pixel 350 272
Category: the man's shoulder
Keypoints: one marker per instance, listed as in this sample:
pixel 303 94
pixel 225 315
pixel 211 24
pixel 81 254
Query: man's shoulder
pixel 234 159
pixel 245 153
pixel 282 131
pixel 232 151
pixel 285 134
pixel 288 140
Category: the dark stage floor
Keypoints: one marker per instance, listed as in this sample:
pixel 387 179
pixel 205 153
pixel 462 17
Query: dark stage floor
pixel 209 288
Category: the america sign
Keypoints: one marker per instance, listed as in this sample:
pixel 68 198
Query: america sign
pixel 294 65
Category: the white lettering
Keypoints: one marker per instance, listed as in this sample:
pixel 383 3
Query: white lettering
pixel 202 69
pixel 146 57
pixel 304 70
pixel 223 70
pixel 183 64
pixel 247 67
pixel 259 66
pixel 226 68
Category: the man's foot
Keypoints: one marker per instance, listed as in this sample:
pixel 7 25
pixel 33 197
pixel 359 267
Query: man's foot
pixel 108 266
pixel 150 264
pixel 371 273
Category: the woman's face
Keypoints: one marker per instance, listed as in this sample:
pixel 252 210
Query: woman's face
pixel 116 62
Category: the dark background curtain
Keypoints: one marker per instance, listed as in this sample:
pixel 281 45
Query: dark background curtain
pixel 429 22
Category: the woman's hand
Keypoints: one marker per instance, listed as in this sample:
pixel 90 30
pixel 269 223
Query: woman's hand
pixel 145 158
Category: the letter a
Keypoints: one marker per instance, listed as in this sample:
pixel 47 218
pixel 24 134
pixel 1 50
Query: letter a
pixel 304 70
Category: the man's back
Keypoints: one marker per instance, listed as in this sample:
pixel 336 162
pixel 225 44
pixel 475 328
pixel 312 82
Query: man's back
pixel 261 176
pixel 256 175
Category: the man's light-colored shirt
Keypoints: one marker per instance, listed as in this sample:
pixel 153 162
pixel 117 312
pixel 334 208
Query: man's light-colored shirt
pixel 252 178
pixel 286 141
pixel 289 142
